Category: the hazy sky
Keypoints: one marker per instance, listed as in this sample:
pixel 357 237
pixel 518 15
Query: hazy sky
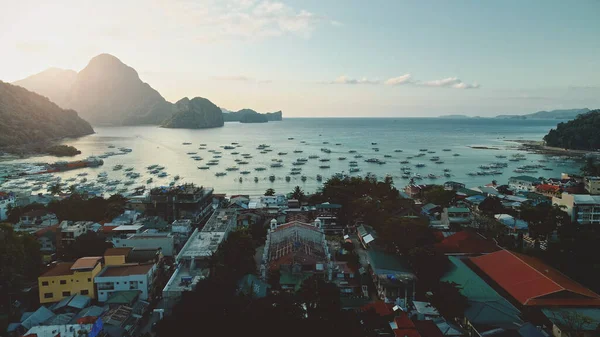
pixel 326 57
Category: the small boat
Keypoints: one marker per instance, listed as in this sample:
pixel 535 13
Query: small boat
pixel 212 163
pixel 291 138
pixel 324 159
pixel 298 151
pixel 446 170
pixel 255 179
pixel 287 178
pixel 186 143
pixel 303 178
pixel 282 153
pixel 456 155
pixel 272 178
pixel 420 165
pixel 111 146
pixel 244 172
pixel 431 176
pixel 354 169
pixel 324 166
pixel 313 156
pixel 423 150
pixel 235 153
pixel 129 169
pixel 162 174
pixel 341 158
pixel 387 156
pixel 102 174
pixel 220 174
pixel 376 149
pixel 404 162
pixel 325 150
pixel 447 150
pixel 398 150
pixel 117 167
pixel 243 162
pixel 277 165
pixel 338 144
pixel 192 153
pixel 149 181
pixel 83 174
pixel 152 167
pixel 240 180
pixel 325 142
pixel 177 177
pixel 202 144
pixel 319 177
pixel 373 143
pixel 228 147
pixel 405 176
pixel 233 168
pixel 260 169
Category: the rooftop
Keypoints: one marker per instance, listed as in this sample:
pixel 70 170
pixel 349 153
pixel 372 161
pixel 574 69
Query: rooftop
pixel 532 282
pixel 126 270
pixel 57 330
pixel 384 263
pixel 466 242
pixel 525 178
pixel 86 262
pixel 60 269
pixel 458 210
pixel 119 251
pixel 201 244
pixel 222 220
pixel 586 199
pixel 128 228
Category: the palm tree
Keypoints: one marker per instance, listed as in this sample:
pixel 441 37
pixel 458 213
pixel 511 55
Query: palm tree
pixel 269 192
pixel 55 189
pixel 298 193
pixel 72 189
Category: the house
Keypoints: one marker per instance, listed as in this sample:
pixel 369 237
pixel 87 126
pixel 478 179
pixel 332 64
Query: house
pixel 298 250
pixel 148 240
pixel 403 326
pixel 565 320
pixel 69 231
pixel 583 208
pixel 7 200
pixel 152 222
pixel 181 230
pixel 432 211
pixel 466 243
pixel 487 309
pixel 124 230
pixel 393 279
pixel 453 185
pixel 513 224
pixel 277 200
pixel 526 183
pixel 424 311
pixel 532 283
pixel 366 235
pixel 548 190
pixel 592 185
pixel 127 218
pixel 428 328
pixel 460 216
pixel 116 256
pixel 125 277
pixel 345 277
pixel 46 237
pixel 68 278
pixel 37 218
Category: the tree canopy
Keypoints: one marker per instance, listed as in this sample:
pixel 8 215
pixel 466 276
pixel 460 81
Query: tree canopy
pixel 580 133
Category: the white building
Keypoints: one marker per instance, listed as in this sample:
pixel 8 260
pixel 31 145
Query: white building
pixel 125 277
pixel 6 200
pixel 148 240
pixel 523 183
pixel 182 227
pixel 583 208
pixel 277 200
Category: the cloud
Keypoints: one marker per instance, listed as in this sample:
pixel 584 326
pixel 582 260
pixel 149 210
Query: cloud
pixel 233 78
pixel 406 79
pixel 243 19
pixel 347 80
pixel 450 82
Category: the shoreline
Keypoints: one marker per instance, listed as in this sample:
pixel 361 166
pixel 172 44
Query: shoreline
pixel 537 146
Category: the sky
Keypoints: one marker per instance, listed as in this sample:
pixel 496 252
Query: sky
pixel 326 58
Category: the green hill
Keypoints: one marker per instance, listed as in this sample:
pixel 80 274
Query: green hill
pixel 251 116
pixel 197 113
pixel 578 134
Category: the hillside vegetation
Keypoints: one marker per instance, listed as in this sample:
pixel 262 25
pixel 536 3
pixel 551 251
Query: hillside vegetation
pixel 26 117
pixel 582 133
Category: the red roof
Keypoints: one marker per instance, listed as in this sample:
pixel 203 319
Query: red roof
pixel 547 188
pixel 532 282
pixel 108 229
pixel 380 307
pixel 466 242
pixel 405 327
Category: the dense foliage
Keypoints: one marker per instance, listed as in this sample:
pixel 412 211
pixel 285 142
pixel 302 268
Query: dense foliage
pixel 26 117
pixel 197 113
pixel 88 244
pixel 62 150
pixel 580 133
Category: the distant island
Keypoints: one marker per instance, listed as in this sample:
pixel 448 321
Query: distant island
pixel 197 113
pixel 578 134
pixel 251 116
pixel 553 114
pixel 30 122
pixel 455 116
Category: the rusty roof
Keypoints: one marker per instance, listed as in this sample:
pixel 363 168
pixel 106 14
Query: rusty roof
pixel 86 262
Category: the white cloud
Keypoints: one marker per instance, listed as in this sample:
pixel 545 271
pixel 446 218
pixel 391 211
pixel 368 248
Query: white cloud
pixel 233 78
pixel 404 79
pixel 450 82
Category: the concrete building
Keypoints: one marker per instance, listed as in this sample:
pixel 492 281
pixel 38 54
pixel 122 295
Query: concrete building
pixel 6 200
pixel 125 277
pixel 523 183
pixel 69 231
pixel 37 218
pixel 583 208
pixel 192 260
pixel 592 185
pixel 170 203
pixel 148 240
pixel 456 216
pixel 68 278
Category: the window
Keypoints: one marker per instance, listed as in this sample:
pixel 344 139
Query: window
pixel 63 281
pixel 45 283
pixel 89 280
pixel 84 292
pixel 66 293
pixel 48 295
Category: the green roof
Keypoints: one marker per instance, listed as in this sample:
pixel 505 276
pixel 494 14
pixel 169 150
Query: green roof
pixel 327 205
pixel 467 191
pixel 384 263
pixel 123 297
pixel 458 210
pixel 486 306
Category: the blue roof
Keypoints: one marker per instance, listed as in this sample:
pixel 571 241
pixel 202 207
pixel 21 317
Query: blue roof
pixel 530 330
pixel 486 306
pixel 74 301
pixel 38 317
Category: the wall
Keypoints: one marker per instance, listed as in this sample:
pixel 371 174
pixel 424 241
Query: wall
pixel 77 283
pixel 114 260
pixel 166 243
pixel 122 283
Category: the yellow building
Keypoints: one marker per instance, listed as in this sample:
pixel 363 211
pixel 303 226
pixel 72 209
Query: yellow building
pixel 67 278
pixel 116 256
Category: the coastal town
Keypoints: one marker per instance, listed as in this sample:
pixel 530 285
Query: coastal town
pixel 418 260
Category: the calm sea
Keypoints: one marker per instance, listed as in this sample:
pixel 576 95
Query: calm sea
pixel 154 145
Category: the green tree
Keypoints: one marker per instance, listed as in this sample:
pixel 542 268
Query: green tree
pixel 429 266
pixel 491 206
pixel 439 196
pixel 72 189
pixel 402 234
pixel 591 167
pixel 55 189
pixel 269 192
pixel 543 219
pixel 298 194
pixel 88 244
pixel 448 300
